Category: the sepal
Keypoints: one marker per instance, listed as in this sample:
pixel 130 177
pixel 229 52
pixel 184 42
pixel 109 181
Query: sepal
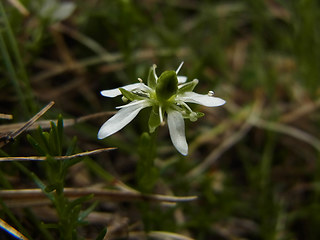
pixel 188 87
pixel 152 81
pixel 154 119
pixel 130 95
pixel 167 85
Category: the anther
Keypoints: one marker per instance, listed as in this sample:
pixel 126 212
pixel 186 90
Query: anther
pixel 124 99
pixel 193 117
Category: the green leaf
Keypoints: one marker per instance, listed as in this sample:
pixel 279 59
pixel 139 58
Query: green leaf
pixel 79 201
pixel 60 132
pixel 44 140
pixel 4 182
pixel 54 140
pixel 188 87
pixel 86 212
pixel 98 170
pixel 102 234
pixel 154 119
pixel 152 81
pixel 35 178
pixel 70 162
pixel 73 215
pixel 35 144
pixel 167 85
pixel 50 188
pixel 72 146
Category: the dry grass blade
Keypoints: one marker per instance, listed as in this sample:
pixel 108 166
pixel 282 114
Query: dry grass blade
pixel 9 137
pixel 85 40
pixel 168 235
pixel 21 197
pixel 6 116
pixel 45 124
pixel 18 5
pixel 228 142
pixel 302 111
pixel 36 158
pixel 11 230
pixel 290 131
pixel 160 235
pixel 139 55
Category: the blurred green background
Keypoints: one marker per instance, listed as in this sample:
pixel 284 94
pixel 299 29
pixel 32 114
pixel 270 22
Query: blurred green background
pixel 253 163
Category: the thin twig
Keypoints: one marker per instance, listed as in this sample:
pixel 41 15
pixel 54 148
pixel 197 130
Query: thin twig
pixel 11 230
pixel 290 131
pixel 18 5
pixel 160 235
pixel 85 40
pixel 105 58
pixel 24 195
pixel 11 136
pixel 37 158
pixel 302 111
pixel 168 235
pixel 6 116
pixel 228 142
pixel 45 124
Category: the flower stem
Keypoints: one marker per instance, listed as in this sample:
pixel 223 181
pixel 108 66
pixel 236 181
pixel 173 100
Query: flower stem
pixel 146 173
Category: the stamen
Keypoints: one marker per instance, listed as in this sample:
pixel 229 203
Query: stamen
pixel 140 80
pixel 124 99
pixel 193 117
pixel 186 106
pixel 179 67
pixel 161 117
pixel 141 93
pixel 154 71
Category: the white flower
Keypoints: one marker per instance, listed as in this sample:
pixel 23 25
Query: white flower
pixel 168 94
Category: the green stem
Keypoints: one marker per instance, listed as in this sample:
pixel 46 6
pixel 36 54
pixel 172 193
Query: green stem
pixel 146 173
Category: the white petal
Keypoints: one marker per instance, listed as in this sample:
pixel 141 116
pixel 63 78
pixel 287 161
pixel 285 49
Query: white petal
pixel 202 99
pixel 146 101
pixel 182 79
pixel 116 91
pixel 120 120
pixel 177 132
